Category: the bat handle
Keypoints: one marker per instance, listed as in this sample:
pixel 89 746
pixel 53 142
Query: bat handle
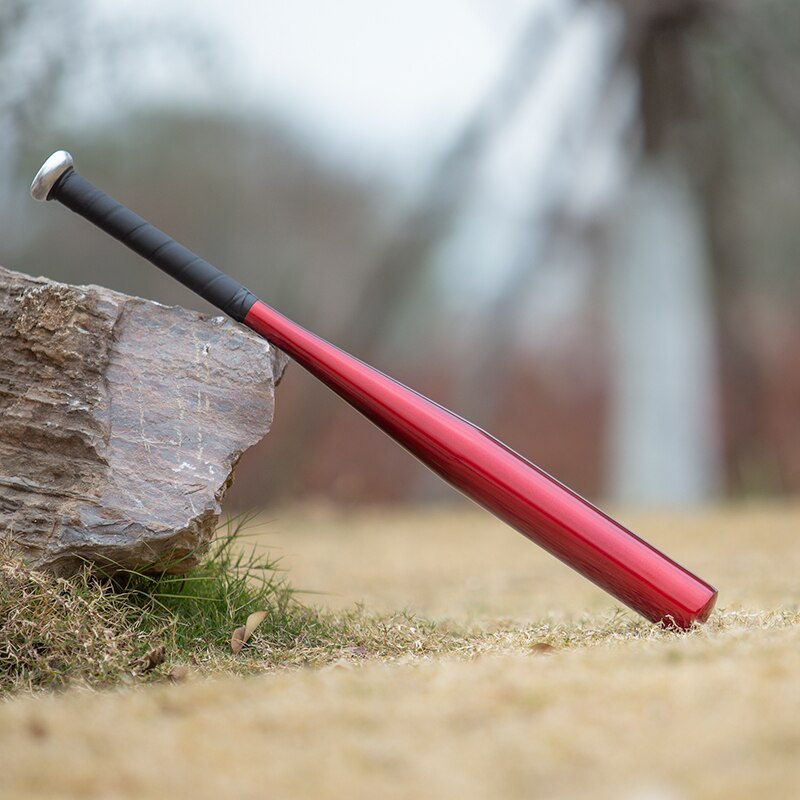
pixel 469 459
pixel 58 180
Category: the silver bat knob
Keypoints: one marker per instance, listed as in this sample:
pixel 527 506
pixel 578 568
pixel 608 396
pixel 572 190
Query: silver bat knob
pixel 47 177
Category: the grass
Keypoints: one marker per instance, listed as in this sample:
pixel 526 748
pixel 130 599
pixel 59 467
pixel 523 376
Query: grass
pixel 137 628
pixel 199 609
pixel 58 633
pixel 537 686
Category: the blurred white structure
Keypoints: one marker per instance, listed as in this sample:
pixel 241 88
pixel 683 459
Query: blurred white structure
pixel 664 437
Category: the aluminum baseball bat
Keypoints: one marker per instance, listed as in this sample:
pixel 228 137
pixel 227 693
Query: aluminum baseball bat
pixel 469 459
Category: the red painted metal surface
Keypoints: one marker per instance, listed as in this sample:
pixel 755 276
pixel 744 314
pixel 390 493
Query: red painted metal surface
pixel 501 481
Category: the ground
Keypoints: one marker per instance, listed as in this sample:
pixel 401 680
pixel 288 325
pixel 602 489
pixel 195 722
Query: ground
pixel 555 694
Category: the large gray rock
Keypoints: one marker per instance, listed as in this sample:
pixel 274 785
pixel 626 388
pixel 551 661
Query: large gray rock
pixel 121 421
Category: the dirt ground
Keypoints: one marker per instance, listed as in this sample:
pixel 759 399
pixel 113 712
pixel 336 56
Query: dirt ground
pixel 715 713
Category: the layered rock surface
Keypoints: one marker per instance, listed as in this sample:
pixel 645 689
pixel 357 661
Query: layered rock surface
pixel 121 421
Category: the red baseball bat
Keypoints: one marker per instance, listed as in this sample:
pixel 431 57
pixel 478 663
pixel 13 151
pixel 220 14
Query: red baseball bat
pixel 472 461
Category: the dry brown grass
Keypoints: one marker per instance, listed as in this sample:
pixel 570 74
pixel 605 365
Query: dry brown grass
pixel 538 686
pixel 56 632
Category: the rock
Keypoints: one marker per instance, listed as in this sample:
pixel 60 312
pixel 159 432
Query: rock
pixel 121 421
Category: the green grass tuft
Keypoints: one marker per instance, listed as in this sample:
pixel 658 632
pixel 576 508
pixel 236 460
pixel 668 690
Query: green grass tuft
pixel 198 610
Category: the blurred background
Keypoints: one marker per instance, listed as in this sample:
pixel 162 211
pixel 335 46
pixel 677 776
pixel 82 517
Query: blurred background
pixel 574 222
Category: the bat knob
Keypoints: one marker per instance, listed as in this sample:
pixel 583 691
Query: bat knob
pixel 49 174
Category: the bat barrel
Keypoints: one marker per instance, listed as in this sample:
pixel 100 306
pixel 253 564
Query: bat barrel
pixel 502 481
pixel 472 461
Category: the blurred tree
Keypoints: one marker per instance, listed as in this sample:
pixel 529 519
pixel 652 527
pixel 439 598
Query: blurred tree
pixel 37 47
pixel 664 431
pixel 751 75
pixel 720 95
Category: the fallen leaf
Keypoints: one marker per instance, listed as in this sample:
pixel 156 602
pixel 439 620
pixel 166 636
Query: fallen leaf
pixel 244 632
pixel 253 621
pixel 237 640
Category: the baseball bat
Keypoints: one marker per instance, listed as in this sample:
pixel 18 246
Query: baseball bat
pixel 469 459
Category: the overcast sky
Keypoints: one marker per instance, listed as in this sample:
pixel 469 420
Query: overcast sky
pixel 386 79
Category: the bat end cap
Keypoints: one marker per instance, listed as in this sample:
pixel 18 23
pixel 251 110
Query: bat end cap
pixel 49 174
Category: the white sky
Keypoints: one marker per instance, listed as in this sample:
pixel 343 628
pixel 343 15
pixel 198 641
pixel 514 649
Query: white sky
pixel 388 79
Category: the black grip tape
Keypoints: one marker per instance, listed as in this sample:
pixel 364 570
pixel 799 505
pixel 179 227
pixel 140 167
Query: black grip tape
pixel 82 197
